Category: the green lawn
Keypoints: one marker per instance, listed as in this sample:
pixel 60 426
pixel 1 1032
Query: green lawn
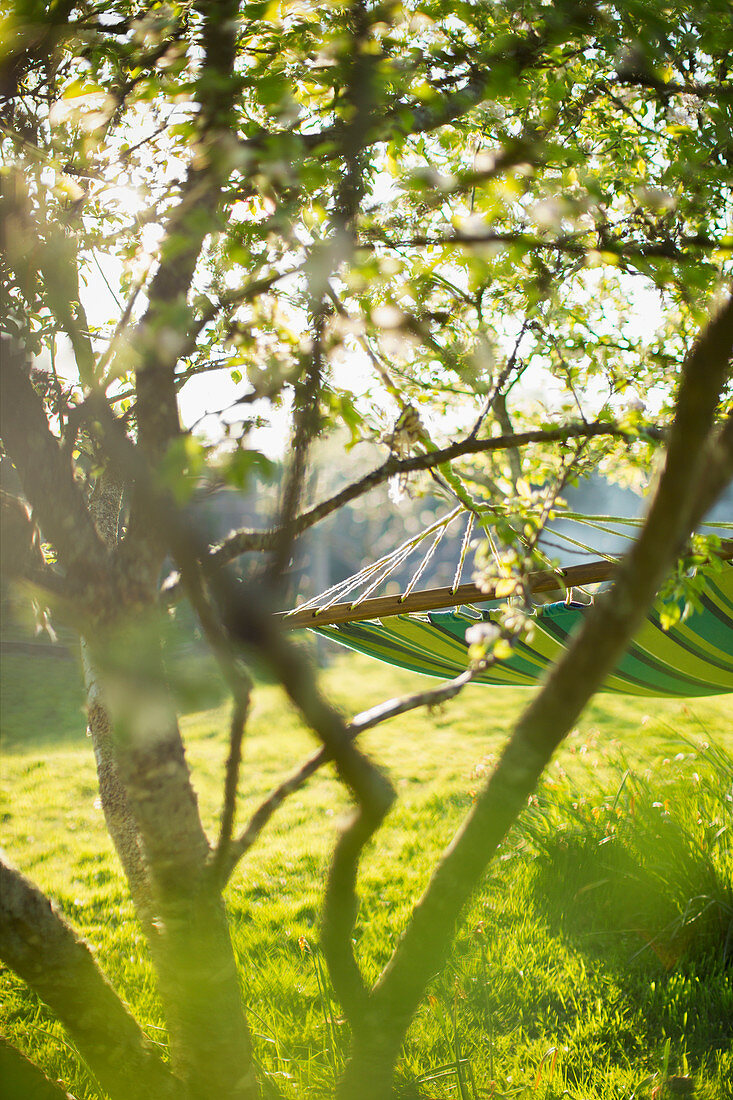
pixel 563 979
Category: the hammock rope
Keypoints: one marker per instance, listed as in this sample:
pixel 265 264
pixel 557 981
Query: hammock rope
pixel 425 562
pixel 332 605
pixel 323 600
pixel 692 658
pixel 464 550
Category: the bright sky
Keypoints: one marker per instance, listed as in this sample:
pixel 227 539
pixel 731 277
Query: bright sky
pixel 215 390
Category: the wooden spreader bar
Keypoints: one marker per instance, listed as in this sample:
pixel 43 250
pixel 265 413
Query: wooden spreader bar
pixel 433 599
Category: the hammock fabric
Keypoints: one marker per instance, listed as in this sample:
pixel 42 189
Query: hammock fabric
pixel 692 658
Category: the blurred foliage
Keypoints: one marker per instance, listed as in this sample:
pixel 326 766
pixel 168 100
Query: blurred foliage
pixel 543 219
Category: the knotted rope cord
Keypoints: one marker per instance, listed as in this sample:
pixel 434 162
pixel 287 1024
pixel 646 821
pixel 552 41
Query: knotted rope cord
pixel 323 600
pixel 351 584
pixel 386 565
pixel 494 548
pixel 376 572
pixel 398 560
pixel 464 550
pixel 383 576
pixel 341 589
pixel 423 564
pixel 592 522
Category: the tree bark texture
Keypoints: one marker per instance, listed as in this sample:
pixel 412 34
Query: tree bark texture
pixel 115 803
pixel 104 506
pixel 152 815
pixel 142 760
pixel 43 949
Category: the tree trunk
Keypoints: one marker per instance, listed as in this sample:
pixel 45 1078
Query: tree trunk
pixel 152 815
pixel 190 944
pixel 115 805
pixel 369 1069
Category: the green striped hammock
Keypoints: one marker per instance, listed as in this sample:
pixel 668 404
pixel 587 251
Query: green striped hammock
pixel 692 658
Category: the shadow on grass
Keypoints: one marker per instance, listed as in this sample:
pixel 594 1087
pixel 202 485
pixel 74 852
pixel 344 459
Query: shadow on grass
pixel 640 880
pixel 41 702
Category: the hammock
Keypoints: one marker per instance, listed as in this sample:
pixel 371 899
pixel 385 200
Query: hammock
pixel 692 658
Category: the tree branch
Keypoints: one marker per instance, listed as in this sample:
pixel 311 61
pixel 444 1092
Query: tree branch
pixel 570 245
pixel 158 336
pixel 236 732
pixel 359 724
pixel 43 949
pixel 251 624
pixel 305 429
pixel 719 467
pixel 32 45
pixel 591 655
pixel 47 479
pixel 248 621
pixel 240 542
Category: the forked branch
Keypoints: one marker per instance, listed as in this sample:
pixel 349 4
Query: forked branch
pixel 367 720
pixel 606 631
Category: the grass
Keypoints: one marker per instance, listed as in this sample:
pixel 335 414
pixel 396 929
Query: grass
pixel 550 990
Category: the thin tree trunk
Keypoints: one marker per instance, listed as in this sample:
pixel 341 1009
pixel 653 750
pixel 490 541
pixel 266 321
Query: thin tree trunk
pixel 151 813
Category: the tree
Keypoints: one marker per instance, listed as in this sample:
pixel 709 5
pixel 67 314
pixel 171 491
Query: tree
pixel 475 204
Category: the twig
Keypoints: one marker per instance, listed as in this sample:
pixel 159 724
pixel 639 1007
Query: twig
pixel 498 387
pixel 305 429
pixel 570 244
pixel 231 780
pixel 366 720
pixel 120 327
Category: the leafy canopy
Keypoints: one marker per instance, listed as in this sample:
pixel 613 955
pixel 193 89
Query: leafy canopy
pixel 528 208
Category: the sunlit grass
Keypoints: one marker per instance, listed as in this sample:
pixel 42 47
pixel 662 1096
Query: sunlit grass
pixel 529 1001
